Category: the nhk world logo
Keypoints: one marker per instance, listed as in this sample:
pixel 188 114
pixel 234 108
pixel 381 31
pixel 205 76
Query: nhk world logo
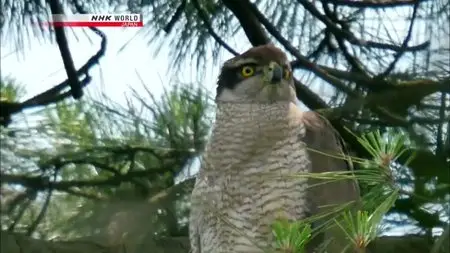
pixel 97 20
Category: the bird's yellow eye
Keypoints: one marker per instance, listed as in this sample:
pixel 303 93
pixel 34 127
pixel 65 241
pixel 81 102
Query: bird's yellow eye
pixel 247 71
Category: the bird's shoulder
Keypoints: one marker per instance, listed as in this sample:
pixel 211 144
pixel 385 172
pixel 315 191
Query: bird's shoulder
pixel 312 121
pixel 318 132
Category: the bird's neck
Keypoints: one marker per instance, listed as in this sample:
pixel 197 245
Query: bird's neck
pixel 246 130
pixel 236 114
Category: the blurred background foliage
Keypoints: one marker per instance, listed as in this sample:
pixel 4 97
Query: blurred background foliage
pixel 124 171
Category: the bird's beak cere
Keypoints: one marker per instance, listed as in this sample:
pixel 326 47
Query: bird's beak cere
pixel 274 73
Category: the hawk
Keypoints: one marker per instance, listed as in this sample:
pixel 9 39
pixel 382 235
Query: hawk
pixel 261 144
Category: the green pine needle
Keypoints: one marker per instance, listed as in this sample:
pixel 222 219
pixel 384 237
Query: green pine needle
pixel 291 236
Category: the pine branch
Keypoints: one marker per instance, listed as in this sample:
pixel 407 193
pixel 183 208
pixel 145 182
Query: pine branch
pixel 55 94
pixel 61 40
pixel 252 28
pixel 374 4
pixel 204 17
pixel 351 38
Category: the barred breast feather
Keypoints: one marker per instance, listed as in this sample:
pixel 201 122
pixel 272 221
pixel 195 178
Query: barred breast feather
pixel 249 177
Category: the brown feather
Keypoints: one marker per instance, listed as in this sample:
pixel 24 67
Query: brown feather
pixel 321 136
pixel 265 54
pixel 230 76
pixel 257 138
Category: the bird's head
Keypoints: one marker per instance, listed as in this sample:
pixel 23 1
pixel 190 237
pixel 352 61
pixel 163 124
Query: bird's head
pixel 260 75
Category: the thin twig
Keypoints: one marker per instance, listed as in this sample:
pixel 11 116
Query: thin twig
pixel 53 94
pixel 41 214
pixel 176 16
pixel 31 196
pixel 350 37
pixel 440 145
pixel 204 17
pixel 371 3
pixel 353 61
pixel 404 45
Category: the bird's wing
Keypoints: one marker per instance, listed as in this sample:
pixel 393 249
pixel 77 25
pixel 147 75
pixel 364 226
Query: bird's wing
pixel 324 150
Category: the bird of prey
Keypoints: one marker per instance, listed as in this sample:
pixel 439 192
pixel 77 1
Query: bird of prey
pixel 261 145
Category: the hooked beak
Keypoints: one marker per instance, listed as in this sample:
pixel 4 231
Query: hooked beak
pixel 274 73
